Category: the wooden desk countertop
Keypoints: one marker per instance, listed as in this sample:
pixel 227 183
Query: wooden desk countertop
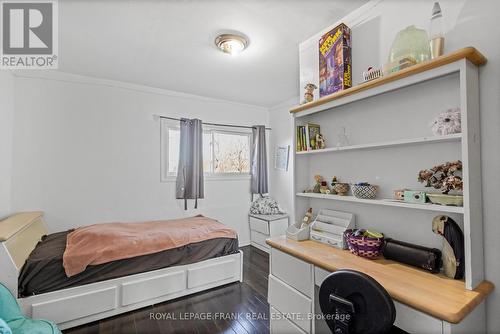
pixel 444 298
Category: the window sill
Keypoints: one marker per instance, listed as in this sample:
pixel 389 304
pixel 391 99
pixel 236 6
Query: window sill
pixel 209 178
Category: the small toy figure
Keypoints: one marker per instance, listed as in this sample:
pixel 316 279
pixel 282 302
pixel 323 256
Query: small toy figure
pixel 320 142
pixel 447 123
pixel 309 93
pixel 307 218
pixel 317 186
pixel 324 189
pixel 453 246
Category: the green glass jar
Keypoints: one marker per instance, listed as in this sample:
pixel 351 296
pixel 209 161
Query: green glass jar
pixel 410 42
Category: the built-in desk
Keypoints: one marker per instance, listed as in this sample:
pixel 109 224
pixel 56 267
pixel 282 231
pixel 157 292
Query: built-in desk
pixel 424 299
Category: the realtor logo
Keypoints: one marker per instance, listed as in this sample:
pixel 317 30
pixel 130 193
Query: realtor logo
pixel 29 35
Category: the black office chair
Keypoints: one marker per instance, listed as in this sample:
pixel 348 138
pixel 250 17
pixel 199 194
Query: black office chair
pixel 355 303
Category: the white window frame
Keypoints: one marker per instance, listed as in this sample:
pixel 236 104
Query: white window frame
pixel 166 176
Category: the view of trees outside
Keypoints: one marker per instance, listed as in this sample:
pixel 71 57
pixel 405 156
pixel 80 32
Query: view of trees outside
pixel 231 152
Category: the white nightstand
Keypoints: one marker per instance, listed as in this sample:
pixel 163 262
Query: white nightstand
pixel 263 227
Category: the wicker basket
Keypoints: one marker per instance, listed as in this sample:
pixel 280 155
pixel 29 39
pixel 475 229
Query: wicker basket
pixel 364 192
pixel 363 246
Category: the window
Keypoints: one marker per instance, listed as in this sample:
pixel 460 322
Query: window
pixel 225 153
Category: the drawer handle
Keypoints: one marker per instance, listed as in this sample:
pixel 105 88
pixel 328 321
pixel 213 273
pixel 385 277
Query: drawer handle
pixel 315 237
pixel 332 243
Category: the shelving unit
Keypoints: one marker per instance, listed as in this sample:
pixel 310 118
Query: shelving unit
pixel 385 202
pixel 459 70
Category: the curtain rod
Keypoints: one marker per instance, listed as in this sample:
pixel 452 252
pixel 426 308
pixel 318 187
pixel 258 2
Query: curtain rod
pixel 213 124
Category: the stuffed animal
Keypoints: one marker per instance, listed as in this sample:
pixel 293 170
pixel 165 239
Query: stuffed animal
pixel 453 246
pixel 447 123
pixel 317 186
pixel 320 142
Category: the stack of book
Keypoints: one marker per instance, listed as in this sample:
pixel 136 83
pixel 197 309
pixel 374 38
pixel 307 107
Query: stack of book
pixel 306 137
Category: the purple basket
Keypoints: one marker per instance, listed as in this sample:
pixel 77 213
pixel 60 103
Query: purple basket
pixel 364 246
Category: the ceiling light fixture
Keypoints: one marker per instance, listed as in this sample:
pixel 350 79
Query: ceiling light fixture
pixel 231 43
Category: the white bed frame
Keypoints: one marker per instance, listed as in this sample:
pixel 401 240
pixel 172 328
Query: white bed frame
pixel 75 306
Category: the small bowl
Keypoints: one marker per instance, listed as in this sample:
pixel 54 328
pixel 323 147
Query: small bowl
pixel 341 188
pixel 364 192
pixel 442 199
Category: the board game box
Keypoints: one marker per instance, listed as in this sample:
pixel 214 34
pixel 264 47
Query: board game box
pixel 335 60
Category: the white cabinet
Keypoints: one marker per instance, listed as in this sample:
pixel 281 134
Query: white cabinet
pixel 263 227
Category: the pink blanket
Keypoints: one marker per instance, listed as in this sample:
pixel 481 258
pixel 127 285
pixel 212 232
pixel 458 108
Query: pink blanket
pixel 101 243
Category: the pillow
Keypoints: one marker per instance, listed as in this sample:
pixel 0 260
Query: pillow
pixel 265 206
pixel 4 328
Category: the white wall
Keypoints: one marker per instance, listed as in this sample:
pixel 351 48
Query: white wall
pixel 6 117
pixel 280 185
pixel 88 150
pixel 468 23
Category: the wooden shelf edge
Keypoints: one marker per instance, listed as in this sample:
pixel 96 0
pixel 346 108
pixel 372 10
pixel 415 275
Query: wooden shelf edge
pixel 470 53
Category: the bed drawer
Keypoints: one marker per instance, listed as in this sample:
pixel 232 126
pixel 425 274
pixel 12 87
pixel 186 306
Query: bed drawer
pixel 289 301
pixel 153 287
pixel 281 325
pixel 259 225
pixel 292 271
pixel 211 272
pixel 75 307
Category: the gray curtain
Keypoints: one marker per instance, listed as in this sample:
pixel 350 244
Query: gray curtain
pixel 189 184
pixel 258 168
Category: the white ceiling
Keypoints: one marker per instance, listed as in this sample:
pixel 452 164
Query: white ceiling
pixel 169 44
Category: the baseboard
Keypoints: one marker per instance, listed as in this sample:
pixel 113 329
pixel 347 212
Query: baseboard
pixel 244 243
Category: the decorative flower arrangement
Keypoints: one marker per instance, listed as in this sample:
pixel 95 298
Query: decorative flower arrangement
pixel 445 177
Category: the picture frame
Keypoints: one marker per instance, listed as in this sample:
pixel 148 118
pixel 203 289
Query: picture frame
pixel 282 157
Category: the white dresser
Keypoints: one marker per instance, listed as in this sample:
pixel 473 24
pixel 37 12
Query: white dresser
pixel 266 226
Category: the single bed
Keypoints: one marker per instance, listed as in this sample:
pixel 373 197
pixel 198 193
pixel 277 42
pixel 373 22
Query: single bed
pixel 44 272
pixel 34 272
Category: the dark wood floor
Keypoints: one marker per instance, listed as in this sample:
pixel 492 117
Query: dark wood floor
pixel 246 304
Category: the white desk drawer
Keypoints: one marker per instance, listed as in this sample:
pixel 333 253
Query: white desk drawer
pixel 292 271
pixel 290 302
pixel 319 275
pixel 413 321
pixel 280 324
pixel 259 225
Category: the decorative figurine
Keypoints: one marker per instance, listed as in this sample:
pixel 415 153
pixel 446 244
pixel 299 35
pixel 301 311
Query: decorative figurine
pixel 320 142
pixel 317 186
pixel 307 218
pixel 447 123
pixel 339 188
pixel 399 194
pixel 324 189
pixel 309 93
pixel 453 246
